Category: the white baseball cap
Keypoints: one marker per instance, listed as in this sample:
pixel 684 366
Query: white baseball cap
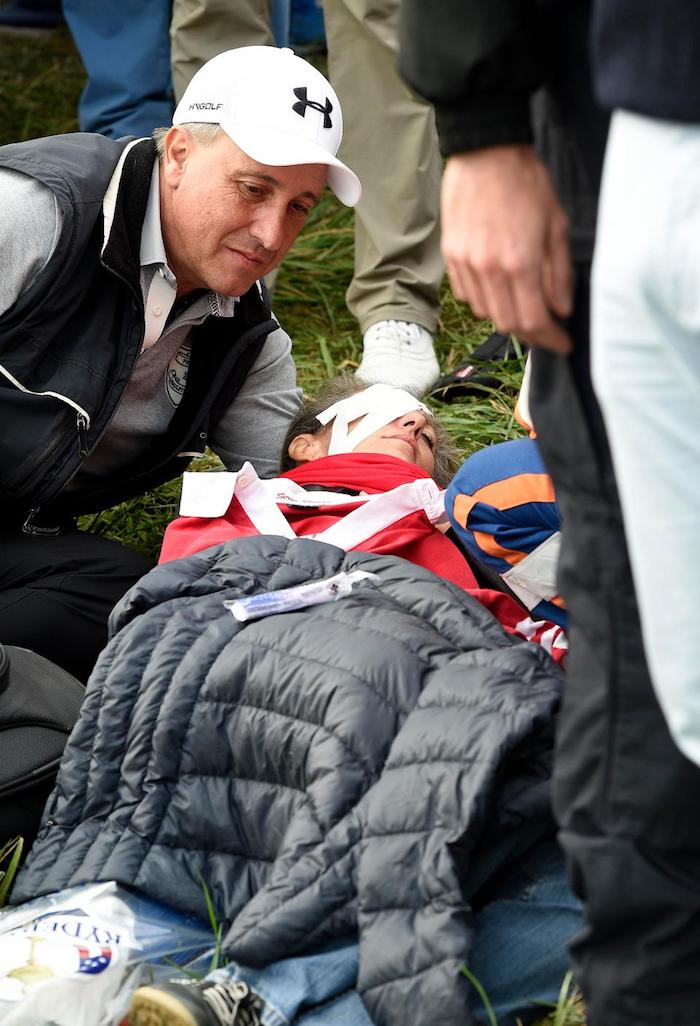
pixel 276 107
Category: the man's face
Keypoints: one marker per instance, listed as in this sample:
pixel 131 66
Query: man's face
pixel 226 219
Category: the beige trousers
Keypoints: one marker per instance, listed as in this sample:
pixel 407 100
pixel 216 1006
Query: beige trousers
pixel 202 28
pixel 389 140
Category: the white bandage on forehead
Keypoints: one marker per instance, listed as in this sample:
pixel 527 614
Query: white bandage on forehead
pixel 377 406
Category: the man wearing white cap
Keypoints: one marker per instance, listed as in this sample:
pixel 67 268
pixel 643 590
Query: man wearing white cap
pixel 134 330
pixel 390 141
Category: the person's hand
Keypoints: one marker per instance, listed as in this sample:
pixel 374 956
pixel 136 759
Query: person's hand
pixel 505 240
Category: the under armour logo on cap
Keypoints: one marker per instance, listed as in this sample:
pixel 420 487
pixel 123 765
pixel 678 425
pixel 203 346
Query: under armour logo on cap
pixel 303 103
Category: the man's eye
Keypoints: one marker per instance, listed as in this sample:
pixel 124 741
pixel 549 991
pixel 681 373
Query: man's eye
pixel 429 439
pixel 253 190
pixel 299 208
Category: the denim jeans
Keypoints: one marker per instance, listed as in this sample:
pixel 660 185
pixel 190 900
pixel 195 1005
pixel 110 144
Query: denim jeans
pixel 316 989
pixel 524 921
pixel 125 48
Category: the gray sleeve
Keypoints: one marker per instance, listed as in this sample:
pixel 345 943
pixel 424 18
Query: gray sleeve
pixel 254 426
pixel 29 229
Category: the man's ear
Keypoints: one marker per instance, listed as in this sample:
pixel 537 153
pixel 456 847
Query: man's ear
pixel 177 147
pixel 305 448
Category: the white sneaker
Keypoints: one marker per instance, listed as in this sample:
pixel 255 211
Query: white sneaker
pixel 399 353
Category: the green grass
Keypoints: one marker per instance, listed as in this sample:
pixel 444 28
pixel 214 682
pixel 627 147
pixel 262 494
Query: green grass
pixel 10 855
pixel 40 81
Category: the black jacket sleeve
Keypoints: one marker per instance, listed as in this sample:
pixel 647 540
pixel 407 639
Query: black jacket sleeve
pixel 478 62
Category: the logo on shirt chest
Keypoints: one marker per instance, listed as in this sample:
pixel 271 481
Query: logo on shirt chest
pixel 176 374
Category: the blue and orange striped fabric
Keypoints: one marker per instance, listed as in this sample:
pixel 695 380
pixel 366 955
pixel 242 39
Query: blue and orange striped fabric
pixel 502 506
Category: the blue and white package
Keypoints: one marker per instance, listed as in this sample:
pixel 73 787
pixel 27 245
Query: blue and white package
pixel 253 607
pixel 65 958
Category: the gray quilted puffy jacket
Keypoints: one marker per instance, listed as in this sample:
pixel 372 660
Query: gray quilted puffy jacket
pixel 362 765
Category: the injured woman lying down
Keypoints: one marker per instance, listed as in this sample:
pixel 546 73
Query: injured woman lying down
pixel 315 708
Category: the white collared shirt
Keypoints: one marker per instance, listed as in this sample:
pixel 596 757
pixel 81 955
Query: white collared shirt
pixel 158 283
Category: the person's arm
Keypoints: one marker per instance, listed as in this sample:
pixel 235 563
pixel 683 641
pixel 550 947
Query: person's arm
pixel 504 232
pixel 502 507
pixel 254 426
pixel 29 228
pixel 477 63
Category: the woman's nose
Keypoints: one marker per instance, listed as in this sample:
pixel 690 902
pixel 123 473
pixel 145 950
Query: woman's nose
pixel 414 421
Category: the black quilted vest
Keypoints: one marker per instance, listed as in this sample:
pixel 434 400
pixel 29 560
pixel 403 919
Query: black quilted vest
pixel 69 344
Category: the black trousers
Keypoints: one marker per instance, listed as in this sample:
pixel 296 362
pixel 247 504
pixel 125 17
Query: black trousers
pixel 626 799
pixel 56 593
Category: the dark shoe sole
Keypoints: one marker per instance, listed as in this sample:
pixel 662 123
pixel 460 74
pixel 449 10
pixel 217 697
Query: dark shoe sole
pixel 463 382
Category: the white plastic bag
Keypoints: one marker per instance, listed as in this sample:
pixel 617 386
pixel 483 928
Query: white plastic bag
pixel 73 958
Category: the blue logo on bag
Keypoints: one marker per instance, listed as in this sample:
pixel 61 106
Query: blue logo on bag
pixel 91 963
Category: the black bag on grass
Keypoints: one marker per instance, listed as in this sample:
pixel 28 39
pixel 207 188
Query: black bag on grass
pixel 39 703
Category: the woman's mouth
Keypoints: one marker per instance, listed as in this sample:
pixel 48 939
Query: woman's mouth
pixel 408 439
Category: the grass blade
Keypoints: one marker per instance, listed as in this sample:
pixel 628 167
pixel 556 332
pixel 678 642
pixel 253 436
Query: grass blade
pixel 216 926
pixel 490 1014
pixel 13 851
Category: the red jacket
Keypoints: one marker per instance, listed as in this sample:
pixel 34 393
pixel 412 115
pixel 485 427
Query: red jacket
pixel 411 537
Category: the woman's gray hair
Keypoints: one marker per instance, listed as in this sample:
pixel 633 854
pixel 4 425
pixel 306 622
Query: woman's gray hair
pixel 203 132
pixel 447 456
